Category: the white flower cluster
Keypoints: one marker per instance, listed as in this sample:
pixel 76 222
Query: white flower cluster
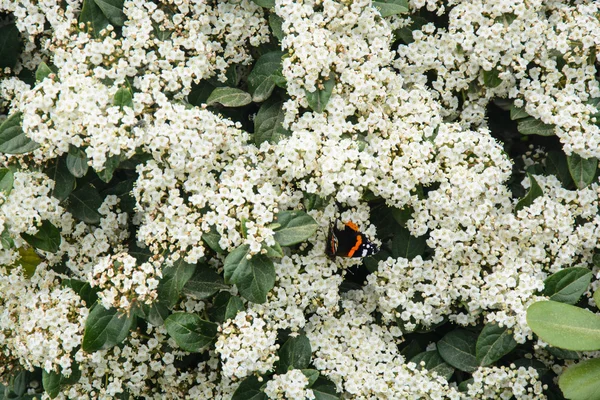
pixel 289 386
pixel 545 63
pixel 123 283
pixel 41 323
pixel 506 383
pixel 246 345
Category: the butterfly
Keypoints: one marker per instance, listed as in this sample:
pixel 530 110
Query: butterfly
pixel 348 241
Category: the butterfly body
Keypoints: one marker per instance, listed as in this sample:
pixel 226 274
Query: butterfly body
pixel 348 241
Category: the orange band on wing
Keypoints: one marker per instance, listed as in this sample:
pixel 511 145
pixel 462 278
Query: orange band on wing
pixel 352 226
pixel 356 246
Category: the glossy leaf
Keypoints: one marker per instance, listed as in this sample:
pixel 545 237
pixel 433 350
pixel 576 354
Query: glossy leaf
pixel 268 122
pixel 254 277
pixel 264 3
pixel 47 238
pixel 173 281
pixel 275 22
pixel 568 285
pixel 556 164
pixel 42 72
pixel 583 170
pixel 260 84
pixel 190 332
pixel 295 353
pixel 324 389
pixel 204 283
pixel 111 165
pixel 405 245
pixel 229 97
pixel 225 306
pixel 123 98
pixel 29 260
pixel 517 113
pixel 12 138
pixel 534 192
pixel 533 126
pixel 51 383
pixel 7 179
pixel 580 381
pixel 458 348
pixel 113 11
pixel 318 99
pixel 565 326
pixel 493 343
pixel 6 240
pixel 312 375
pixel 64 181
pixel 294 227
pixel 105 328
pixel 249 389
pixel 83 289
pixel 94 19
pixel 10 45
pixel 391 7
pixel 491 78
pixel 155 313
pixel 433 362
pixel 84 203
pixel 77 162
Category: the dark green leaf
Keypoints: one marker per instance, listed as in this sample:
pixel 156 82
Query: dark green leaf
pixel 12 138
pixel 200 93
pixel 324 389
pixel 539 366
pixel 225 306
pixel 254 277
pixel 580 381
pixel 312 375
pixel 464 385
pixel 565 326
pixel 173 280
pixel 10 45
pixel 294 227
pixel 411 349
pixel 268 123
pixel 433 362
pixel 51 383
pixel 583 170
pixel 84 203
pixel 190 332
pixel 458 349
pixel 391 7
pixel 318 99
pixel 113 11
pixel 275 22
pixel 556 164
pixel 249 389
pixel 229 97
pixel 260 84
pixel 7 179
pixel 274 251
pixel 155 313
pixel 105 328
pixel 64 182
pixel 568 285
pixel 295 353
pixel 123 98
pixel 517 113
pixel 212 239
pixel 47 238
pixel 7 241
pixel 204 283
pixel 406 246
pixel 493 343
pixel 83 289
pixel 93 18
pixel 563 354
pixel 264 3
pixel 533 126
pixel 406 33
pixel 535 191
pixel 491 78
pixel 77 162
pixel 112 162
pixel 42 72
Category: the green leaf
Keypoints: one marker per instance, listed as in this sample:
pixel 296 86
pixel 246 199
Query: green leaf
pixel 517 112
pixel 596 297
pixel 406 34
pixel 260 84
pixel 433 362
pixel 12 138
pixel 318 99
pixel 264 3
pixel 563 354
pixel 556 164
pixel 225 306
pixel 113 11
pixel 491 79
pixel 565 326
pixel 294 227
pixel 324 389
pixel 77 162
pixel 268 123
pixel 493 343
pixel 83 289
pixel 10 45
pixel 212 239
pixel 93 18
pixel 539 366
pixel 29 260
pixel 155 313
pixel 64 182
pixel 173 281
pixel 204 283
pixel 533 126
pixel 111 165
pixel 229 97
pixel 535 191
pixel 105 328
pixel 275 22
pixel 51 383
pixel 254 277
pixel 406 246
pixel 391 7
pixel 312 375
pixel 274 251
pixel 7 179
pixel 580 381
pixel 568 285
pixel 249 389
pixel 295 353
pixel 190 332
pixel 200 93
pixel 123 98
pixel 458 348
pixel 84 203
pixel 7 241
pixel 582 170
pixel 42 72
pixel 47 238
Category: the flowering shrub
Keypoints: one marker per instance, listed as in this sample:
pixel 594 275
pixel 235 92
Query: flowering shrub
pixel 170 171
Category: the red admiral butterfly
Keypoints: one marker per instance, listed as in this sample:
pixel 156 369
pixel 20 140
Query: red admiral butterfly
pixel 348 242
